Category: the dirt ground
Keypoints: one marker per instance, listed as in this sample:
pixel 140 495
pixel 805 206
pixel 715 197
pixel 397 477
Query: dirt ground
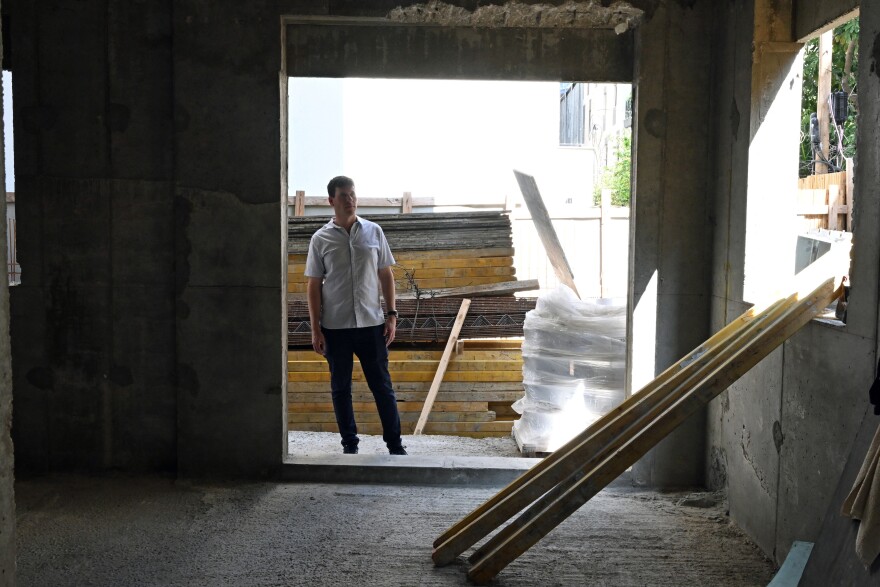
pixel 322 443
pixel 148 531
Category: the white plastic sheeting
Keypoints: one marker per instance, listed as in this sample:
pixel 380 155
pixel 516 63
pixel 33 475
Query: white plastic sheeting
pixel 574 361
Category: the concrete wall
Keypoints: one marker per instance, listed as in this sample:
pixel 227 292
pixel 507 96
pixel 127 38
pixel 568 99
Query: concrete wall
pixel 7 495
pixel 778 439
pixel 148 329
pixel 834 560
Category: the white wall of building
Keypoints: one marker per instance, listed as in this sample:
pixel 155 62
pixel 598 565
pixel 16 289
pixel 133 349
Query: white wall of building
pixel 451 140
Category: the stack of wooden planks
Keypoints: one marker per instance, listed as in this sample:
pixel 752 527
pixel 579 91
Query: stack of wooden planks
pixel 479 386
pixel 430 320
pixel 433 251
pixel 437 254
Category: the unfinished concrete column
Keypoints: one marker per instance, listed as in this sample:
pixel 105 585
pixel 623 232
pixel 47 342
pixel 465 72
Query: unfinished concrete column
pixel 671 236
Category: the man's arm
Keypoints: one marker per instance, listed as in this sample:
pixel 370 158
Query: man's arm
pixel 314 298
pixel 386 280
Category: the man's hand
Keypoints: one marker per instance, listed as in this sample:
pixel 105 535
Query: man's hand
pixel 318 342
pixel 390 329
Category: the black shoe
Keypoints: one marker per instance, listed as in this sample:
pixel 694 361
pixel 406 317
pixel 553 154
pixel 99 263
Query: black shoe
pixel 350 450
pixel 397 450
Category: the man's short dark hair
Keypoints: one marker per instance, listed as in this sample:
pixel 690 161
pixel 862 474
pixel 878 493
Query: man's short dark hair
pixel 340 181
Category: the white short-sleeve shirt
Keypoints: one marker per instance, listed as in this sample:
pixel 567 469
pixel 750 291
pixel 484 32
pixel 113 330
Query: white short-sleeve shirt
pixel 349 264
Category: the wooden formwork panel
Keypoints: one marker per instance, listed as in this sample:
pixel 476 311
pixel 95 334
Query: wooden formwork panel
pixel 474 399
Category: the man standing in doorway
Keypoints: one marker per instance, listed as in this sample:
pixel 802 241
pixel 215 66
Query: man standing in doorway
pixel 349 262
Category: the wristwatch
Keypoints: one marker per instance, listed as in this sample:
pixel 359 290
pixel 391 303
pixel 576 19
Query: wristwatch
pixel 392 313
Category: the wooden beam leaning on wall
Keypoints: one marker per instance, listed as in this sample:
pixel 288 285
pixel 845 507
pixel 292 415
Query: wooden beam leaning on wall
pixel 580 469
pixel 544 226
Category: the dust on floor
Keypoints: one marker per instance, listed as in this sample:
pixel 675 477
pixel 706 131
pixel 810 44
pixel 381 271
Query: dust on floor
pixel 148 531
pixel 322 443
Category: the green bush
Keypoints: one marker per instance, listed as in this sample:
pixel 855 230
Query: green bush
pixel 617 177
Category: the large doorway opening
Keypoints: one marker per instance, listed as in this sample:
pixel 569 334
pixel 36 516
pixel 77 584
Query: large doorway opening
pixel 440 154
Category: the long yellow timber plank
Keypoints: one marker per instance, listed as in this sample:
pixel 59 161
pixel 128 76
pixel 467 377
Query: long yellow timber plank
pixel 413 386
pixel 404 417
pixel 433 254
pixel 401 407
pixel 417 376
pixel 414 365
pixel 412 396
pixel 475 429
pixel 460 272
pixel 424 355
pixel 440 272
pixel 444 263
pixel 447 282
pixel 430 283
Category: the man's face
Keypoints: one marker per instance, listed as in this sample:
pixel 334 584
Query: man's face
pixel 344 202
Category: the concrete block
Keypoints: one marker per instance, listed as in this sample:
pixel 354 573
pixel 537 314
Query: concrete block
pixel 231 369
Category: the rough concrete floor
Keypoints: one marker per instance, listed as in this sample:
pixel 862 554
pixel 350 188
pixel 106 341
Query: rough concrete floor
pixel 322 443
pixel 148 531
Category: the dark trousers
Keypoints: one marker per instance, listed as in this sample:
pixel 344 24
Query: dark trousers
pixel 369 346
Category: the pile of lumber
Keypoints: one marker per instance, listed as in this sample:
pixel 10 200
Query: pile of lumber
pixel 479 386
pixel 433 252
pixel 431 320
pixel 420 232
pixel 438 256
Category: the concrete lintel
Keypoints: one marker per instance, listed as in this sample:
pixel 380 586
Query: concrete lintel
pixel 814 17
pixel 383 7
pixel 366 48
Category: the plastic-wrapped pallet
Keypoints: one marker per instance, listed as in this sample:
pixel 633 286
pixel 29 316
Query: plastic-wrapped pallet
pixel 574 361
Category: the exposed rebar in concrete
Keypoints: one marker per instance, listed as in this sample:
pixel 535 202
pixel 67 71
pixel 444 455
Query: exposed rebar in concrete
pixel 620 16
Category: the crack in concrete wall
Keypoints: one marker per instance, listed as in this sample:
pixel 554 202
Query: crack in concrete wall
pixel 620 16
